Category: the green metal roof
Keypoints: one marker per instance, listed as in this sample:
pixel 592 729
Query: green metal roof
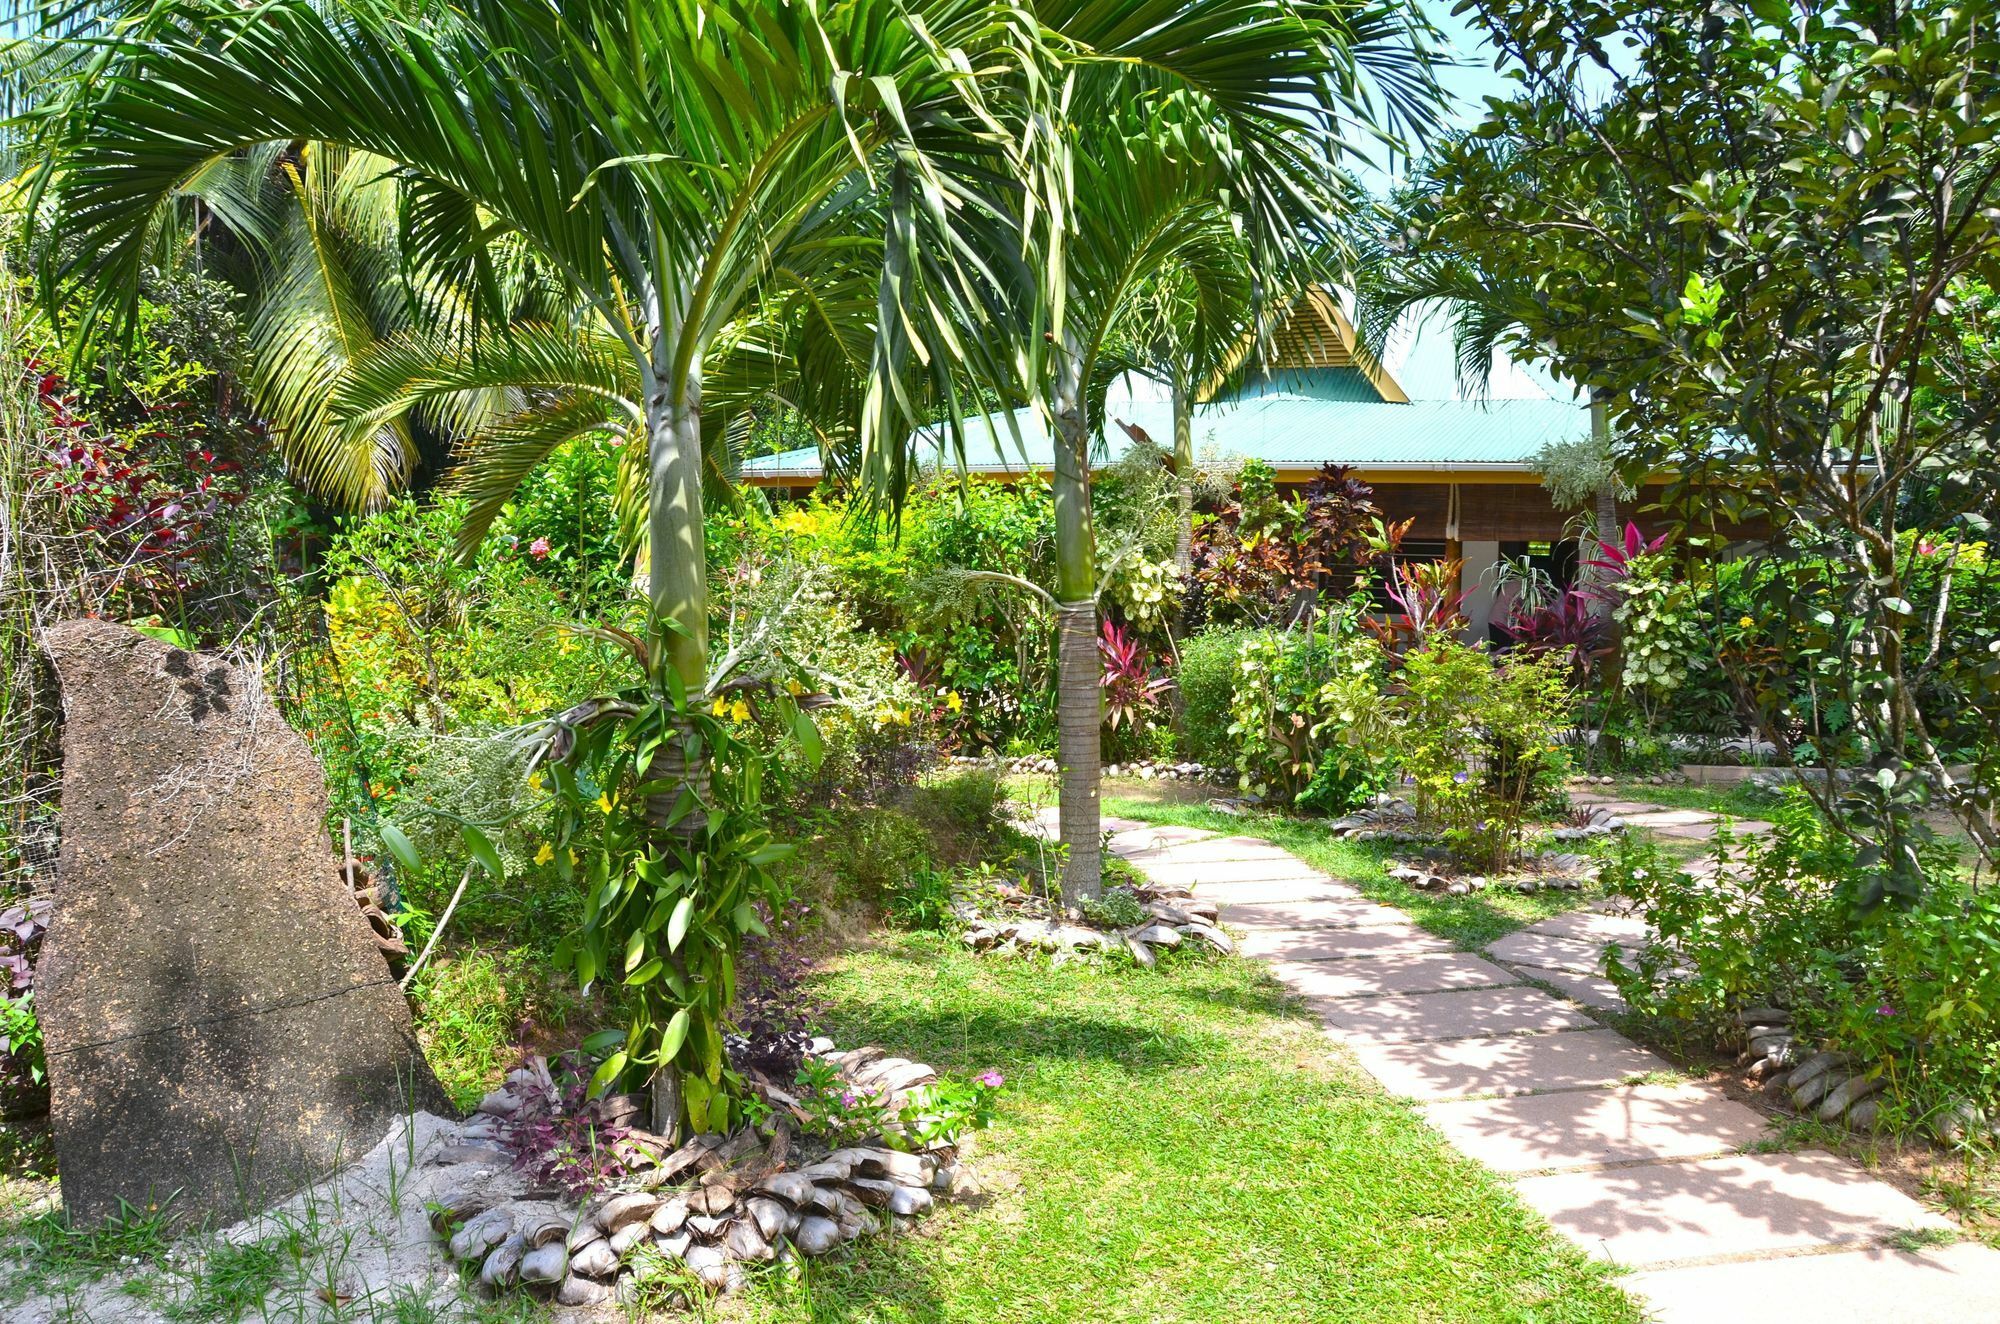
pixel 1297 420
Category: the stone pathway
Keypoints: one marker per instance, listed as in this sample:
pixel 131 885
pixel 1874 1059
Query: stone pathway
pixel 1649 1174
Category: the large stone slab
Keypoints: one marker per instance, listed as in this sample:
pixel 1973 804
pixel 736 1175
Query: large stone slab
pixel 1519 1064
pixel 1596 926
pixel 1206 874
pixel 1336 913
pixel 1463 1014
pixel 1549 952
pixel 220 1025
pixel 1212 849
pixel 1670 1213
pixel 1377 975
pixel 1591 1128
pixel 1278 891
pixel 1338 944
pixel 1944 1285
pixel 1597 994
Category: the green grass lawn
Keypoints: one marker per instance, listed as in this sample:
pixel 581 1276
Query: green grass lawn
pixel 1739 800
pixel 1173 1146
pixel 1472 921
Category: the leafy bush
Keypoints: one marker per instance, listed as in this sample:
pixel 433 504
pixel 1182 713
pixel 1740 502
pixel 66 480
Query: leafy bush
pixel 1479 738
pixel 921 899
pixel 23 1062
pixel 1304 696
pixel 1912 994
pixel 1114 908
pixel 1207 680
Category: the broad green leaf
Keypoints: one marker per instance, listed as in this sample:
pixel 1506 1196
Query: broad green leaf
pixel 399 845
pixel 602 1041
pixel 674 1035
pixel 483 851
pixel 677 927
pixel 646 972
pixel 605 1074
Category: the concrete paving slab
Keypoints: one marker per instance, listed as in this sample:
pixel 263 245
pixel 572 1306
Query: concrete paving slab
pixel 1268 892
pixel 1655 816
pixel 1345 913
pixel 1597 994
pixel 1527 947
pixel 1211 848
pixel 1667 1213
pixel 1587 1128
pixel 1327 981
pixel 1944 1285
pixel 1746 827
pixel 1146 837
pixel 1462 1014
pixel 1520 1064
pixel 1208 873
pixel 1338 944
pixel 1595 926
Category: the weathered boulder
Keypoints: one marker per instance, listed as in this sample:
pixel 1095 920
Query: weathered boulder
pixel 221 1026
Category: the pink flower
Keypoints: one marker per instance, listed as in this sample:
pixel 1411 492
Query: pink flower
pixel 992 1080
pixel 538 548
pixel 1885 1010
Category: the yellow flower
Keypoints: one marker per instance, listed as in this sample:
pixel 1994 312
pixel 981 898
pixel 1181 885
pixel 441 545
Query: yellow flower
pixel 1746 623
pixel 952 702
pixel 902 717
pixel 604 802
pixel 535 779
pixel 719 707
pixel 571 852
pixel 793 688
pixel 545 854
pixel 739 711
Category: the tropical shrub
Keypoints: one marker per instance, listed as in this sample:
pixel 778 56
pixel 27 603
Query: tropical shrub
pixel 660 816
pixel 1787 919
pixel 1479 739
pixel 1133 693
pixel 1206 679
pixel 23 1064
pixel 1262 556
pixel 1300 696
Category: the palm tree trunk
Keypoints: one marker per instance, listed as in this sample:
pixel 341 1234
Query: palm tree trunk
pixel 1183 476
pixel 678 573
pixel 1079 672
pixel 1606 515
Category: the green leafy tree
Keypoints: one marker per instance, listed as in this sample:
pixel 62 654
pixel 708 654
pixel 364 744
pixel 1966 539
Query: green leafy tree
pixel 1751 253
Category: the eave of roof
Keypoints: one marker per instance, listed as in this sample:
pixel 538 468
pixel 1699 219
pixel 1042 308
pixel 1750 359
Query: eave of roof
pixel 1287 430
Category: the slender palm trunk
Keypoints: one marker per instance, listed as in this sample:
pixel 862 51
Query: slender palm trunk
pixel 1183 475
pixel 678 570
pixel 1079 672
pixel 1606 514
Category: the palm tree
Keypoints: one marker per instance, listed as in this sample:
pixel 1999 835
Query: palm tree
pixel 656 159
pixel 1204 180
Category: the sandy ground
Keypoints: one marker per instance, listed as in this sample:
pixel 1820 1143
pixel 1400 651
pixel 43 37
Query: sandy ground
pixel 355 1247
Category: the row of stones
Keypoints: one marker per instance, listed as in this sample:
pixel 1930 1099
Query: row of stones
pixel 1829 1085
pixel 1555 872
pixel 713 1230
pixel 742 1211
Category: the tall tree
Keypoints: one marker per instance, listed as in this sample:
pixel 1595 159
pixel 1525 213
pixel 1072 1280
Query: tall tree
pixel 1750 251
pixel 1162 152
